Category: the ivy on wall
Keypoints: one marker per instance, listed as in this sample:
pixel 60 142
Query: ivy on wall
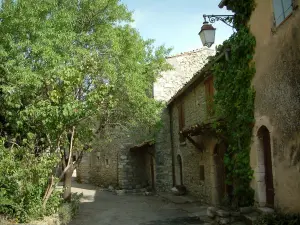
pixel 234 101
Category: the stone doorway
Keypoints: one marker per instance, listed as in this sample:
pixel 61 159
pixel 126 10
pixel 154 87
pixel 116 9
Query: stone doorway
pixel 265 163
pixel 179 177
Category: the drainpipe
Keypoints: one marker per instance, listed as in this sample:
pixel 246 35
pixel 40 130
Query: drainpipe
pixel 172 144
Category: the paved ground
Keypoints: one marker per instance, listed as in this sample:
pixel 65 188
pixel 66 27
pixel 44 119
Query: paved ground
pixel 100 207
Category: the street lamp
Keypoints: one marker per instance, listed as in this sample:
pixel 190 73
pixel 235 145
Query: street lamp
pixel 207 33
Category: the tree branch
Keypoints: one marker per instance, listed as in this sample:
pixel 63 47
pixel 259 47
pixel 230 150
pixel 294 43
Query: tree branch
pixel 71 145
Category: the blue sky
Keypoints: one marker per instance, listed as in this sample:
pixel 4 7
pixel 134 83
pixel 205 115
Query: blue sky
pixel 176 23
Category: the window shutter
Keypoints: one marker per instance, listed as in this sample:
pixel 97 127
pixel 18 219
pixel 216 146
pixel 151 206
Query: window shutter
pixel 209 89
pixel 278 11
pixel 287 7
pixel 202 174
pixel 181 116
pixel 181 121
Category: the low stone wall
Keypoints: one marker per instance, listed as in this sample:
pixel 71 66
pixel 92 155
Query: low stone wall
pixel 244 215
pixel 219 216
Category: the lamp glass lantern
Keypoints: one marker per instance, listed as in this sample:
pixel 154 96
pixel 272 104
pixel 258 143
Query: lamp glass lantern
pixel 207 34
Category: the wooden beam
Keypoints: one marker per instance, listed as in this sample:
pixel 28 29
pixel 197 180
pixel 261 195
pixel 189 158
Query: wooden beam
pixel 197 145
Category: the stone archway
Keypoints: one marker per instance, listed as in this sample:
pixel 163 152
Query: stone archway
pixel 179 176
pixel 264 172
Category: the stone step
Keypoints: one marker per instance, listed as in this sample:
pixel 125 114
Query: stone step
pixel 265 210
pixel 238 223
pixel 250 218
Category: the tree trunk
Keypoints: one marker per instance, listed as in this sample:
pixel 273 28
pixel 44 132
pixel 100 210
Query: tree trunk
pixel 68 181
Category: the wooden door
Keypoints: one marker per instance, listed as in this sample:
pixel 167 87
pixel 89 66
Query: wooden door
pixel 220 175
pixel 268 169
pixel 152 173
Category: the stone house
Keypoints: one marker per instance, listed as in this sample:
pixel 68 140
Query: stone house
pixel 275 150
pixel 128 160
pixel 189 144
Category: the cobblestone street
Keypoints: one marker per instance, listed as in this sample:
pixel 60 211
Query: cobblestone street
pixel 101 207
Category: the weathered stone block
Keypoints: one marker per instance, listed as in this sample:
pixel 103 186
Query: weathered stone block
pixel 245 210
pixel 223 220
pixel 211 212
pixel 120 192
pixel 265 210
pixel 110 188
pixel 223 213
pixel 235 214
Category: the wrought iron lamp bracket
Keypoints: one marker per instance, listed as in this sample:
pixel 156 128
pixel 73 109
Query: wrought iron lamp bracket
pixel 227 19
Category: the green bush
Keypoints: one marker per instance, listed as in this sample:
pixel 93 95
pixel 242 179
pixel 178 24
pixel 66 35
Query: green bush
pixel 23 181
pixel 75 202
pixel 65 213
pixel 278 219
pixel 68 210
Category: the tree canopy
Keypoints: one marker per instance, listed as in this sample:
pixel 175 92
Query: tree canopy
pixel 70 67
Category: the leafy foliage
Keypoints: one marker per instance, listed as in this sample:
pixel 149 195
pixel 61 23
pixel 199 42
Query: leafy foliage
pixel 243 10
pixel 235 102
pixel 68 70
pixel 68 210
pixel 278 219
pixel 22 183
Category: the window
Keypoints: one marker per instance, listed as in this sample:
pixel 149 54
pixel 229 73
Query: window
pixel 209 90
pixel 282 9
pixel 202 176
pixel 181 120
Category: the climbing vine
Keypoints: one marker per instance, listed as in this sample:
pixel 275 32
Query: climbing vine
pixel 235 101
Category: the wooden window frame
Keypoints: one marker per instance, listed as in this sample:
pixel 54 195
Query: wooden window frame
pixel 202 173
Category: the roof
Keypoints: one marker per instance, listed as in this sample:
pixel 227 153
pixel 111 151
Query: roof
pixel 222 3
pixel 198 76
pixel 147 143
pixel 202 128
pixel 190 52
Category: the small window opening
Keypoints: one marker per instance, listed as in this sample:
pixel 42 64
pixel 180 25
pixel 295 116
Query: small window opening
pixel 202 176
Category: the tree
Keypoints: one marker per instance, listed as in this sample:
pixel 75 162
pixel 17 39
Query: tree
pixel 66 63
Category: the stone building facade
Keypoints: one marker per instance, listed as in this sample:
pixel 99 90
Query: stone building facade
pixel 275 150
pixel 196 158
pixel 129 162
pixel 277 105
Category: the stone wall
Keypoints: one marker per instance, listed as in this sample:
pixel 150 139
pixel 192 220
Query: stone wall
pixel 83 171
pixel 163 155
pixel 277 105
pixel 112 163
pixel 185 66
pixel 100 167
pixel 104 162
pixel 194 105
pixel 134 167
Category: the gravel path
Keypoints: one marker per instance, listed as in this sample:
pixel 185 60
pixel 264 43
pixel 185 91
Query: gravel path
pixel 100 207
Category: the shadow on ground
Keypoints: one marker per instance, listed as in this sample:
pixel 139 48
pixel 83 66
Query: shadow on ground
pixel 99 207
pixel 176 221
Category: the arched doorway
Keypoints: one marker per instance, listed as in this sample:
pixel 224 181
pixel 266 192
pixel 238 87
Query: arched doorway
pixel 265 159
pixel 220 175
pixel 179 171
